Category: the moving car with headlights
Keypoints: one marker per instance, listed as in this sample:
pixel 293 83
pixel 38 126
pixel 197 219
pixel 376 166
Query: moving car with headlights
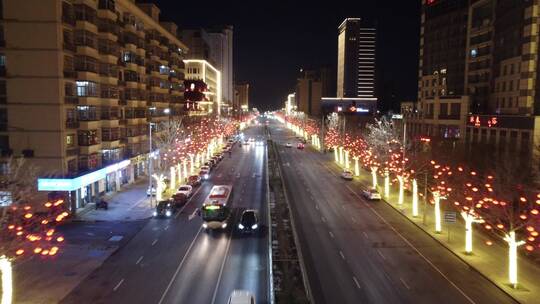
pixel 249 221
pixel 179 200
pixel 204 174
pixel 241 297
pixel 186 190
pixel 194 180
pixel 164 209
pixel 216 211
pixel 300 146
pixel 288 145
pixel 347 175
pixel 371 194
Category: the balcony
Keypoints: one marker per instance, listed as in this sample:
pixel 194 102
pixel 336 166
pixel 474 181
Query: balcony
pixel 449 116
pixel 71 124
pixel 69 47
pixel 70 74
pixel 71 100
pixel 72 151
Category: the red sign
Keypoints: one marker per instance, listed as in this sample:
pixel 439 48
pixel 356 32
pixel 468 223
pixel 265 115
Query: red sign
pixel 478 121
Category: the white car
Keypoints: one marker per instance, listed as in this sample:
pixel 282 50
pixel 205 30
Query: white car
pixel 347 175
pixel 288 145
pixel 207 168
pixel 186 190
pixel 371 194
pixel 204 174
pixel 241 297
pixel 151 191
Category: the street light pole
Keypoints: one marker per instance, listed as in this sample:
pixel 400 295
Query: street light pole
pixel 150 163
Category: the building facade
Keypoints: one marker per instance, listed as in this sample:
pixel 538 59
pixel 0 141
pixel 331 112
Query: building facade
pixel 202 70
pixel 241 98
pixel 80 93
pixel 221 54
pixel 309 92
pixel 487 51
pixel 356 59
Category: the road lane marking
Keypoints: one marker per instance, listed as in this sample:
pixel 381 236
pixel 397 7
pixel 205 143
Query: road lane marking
pixel 166 227
pixel 365 235
pixel 353 219
pixel 356 282
pixel 191 216
pixel 118 285
pixel 418 251
pixel 139 260
pixel 342 255
pixel 316 206
pixel 323 219
pixel 404 283
pixel 331 234
pixel 154 242
pixel 343 207
pixel 179 267
pixel 222 267
pixel 380 253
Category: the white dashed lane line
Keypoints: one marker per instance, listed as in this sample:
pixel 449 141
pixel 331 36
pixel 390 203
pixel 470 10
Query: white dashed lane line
pixel 154 242
pixel 405 283
pixel 331 234
pixel 118 285
pixel 356 282
pixel 342 255
pixel 139 260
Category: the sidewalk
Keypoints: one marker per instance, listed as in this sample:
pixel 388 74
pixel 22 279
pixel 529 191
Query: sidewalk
pixel 490 261
pixel 129 204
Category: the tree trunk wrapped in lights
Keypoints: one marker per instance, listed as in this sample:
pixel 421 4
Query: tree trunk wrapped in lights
pixel 414 198
pixel 401 189
pixel 172 182
pixel 437 210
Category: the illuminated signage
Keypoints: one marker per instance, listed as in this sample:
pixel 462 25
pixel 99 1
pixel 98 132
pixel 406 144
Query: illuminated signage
pixel 478 121
pixel 65 184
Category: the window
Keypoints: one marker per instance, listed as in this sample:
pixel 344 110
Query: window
pixel 88 138
pixel 511 69
pixel 504 86
pixel 87 89
pixel 86 38
pixel 503 103
pixel 163 70
pixel 3 119
pixel 504 70
pixel 511 85
pixel 70 140
pixel 2 60
pixel 86 64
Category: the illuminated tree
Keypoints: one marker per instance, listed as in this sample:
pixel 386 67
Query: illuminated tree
pixel 511 211
pixel 381 139
pixel 24 229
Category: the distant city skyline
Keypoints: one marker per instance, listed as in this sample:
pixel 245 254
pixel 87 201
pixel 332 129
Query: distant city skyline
pixel 273 41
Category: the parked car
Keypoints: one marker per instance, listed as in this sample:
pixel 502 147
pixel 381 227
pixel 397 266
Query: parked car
pixel 241 297
pixel 288 145
pixel 179 200
pixel 347 175
pixel 187 190
pixel 371 194
pixel 300 146
pixel 151 191
pixel 194 180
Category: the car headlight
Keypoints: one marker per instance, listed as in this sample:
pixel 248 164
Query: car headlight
pixel 155 213
pixel 224 225
pixel 206 176
pixel 205 225
pixel 168 213
pixel 254 226
pixel 240 226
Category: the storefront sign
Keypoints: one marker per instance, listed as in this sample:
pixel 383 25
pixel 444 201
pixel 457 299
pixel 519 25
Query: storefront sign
pixel 65 184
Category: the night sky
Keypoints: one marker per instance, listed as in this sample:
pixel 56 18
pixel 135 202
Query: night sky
pixel 274 40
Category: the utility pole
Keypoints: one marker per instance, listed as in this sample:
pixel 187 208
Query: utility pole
pixel 150 163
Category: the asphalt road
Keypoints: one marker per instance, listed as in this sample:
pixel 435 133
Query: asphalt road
pixel 176 261
pixel 357 251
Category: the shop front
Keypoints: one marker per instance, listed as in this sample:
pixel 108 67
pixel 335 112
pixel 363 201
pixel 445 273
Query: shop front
pixel 87 188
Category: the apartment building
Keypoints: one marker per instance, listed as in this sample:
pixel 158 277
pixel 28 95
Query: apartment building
pixel 82 81
pixel 202 70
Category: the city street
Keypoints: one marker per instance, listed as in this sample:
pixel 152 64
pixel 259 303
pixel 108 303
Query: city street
pixel 176 261
pixel 357 251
